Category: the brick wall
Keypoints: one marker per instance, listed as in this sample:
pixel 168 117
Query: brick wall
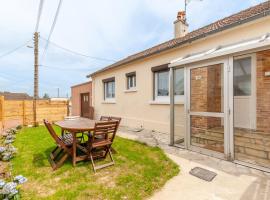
pixel 263 91
pixel 76 92
pixel 253 146
pixel 206 94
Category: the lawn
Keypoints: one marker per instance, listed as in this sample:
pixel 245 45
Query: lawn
pixel 139 171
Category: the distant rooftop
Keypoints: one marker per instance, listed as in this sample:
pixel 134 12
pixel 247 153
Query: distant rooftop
pixel 15 96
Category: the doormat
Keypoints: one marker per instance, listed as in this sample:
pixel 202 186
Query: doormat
pixel 203 174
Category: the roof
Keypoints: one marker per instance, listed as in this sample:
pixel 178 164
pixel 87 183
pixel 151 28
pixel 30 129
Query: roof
pixel 250 14
pixel 15 96
pixel 88 82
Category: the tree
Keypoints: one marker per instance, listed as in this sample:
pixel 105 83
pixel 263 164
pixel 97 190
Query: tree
pixel 46 96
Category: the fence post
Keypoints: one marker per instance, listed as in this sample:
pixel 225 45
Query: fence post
pixel 24 115
pixel 2 111
pixel 68 111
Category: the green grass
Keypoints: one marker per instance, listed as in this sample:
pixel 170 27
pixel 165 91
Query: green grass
pixel 139 171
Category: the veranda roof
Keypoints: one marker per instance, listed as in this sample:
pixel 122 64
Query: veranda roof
pixel 253 44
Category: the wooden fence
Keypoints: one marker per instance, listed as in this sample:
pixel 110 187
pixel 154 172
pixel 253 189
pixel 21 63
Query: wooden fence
pixel 20 112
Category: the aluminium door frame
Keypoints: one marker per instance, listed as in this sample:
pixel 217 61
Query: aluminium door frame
pixel 226 110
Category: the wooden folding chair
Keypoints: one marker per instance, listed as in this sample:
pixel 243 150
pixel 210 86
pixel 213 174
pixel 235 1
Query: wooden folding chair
pixel 104 118
pixel 118 119
pixel 101 142
pixel 63 149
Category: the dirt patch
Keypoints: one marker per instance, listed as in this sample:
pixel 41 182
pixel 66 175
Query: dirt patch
pixel 37 187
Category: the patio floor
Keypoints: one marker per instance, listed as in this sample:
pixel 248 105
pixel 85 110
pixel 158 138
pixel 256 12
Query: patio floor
pixel 233 182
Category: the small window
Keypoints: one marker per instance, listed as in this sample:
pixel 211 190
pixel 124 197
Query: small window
pixel 109 88
pixel 242 77
pixel 131 80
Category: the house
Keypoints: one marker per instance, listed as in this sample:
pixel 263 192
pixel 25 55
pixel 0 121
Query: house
pixel 208 90
pixel 81 100
pixel 15 96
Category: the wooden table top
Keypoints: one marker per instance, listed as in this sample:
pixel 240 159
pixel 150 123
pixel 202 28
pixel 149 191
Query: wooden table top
pixel 79 124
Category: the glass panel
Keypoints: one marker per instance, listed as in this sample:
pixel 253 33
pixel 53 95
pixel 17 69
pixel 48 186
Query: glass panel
pixel 109 87
pixel 179 81
pixel 252 115
pixel 207 133
pixel 131 81
pixel 179 124
pixel 162 83
pixel 242 77
pixel 206 93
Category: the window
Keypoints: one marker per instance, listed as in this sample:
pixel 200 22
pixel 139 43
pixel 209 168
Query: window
pixel 242 76
pixel 131 80
pixel 161 83
pixel 179 82
pixel 109 88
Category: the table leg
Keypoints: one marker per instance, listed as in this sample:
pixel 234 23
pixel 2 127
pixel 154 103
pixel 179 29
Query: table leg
pixel 74 149
pixel 62 132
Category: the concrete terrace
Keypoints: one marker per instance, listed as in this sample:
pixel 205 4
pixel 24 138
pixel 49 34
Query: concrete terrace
pixel 233 182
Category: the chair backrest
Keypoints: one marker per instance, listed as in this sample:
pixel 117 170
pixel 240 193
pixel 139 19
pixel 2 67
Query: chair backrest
pixel 105 118
pixel 118 119
pixel 53 134
pixel 106 130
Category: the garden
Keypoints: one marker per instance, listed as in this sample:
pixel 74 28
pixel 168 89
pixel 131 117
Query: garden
pixel 138 172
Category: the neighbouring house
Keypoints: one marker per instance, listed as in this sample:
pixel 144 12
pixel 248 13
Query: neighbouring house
pixel 208 90
pixel 15 96
pixel 81 98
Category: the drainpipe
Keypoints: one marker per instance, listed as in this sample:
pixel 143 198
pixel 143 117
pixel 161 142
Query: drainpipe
pixel 171 106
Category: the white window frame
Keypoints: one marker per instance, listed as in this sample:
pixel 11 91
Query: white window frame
pixel 131 77
pixel 157 97
pixel 178 98
pixel 109 99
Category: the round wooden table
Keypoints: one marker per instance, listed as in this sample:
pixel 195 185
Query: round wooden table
pixel 75 126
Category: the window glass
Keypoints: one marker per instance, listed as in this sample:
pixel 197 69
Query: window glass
pixel 242 77
pixel 162 83
pixel 131 81
pixel 179 82
pixel 110 89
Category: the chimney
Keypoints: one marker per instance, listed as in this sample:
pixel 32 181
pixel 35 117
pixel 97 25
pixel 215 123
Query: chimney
pixel 180 25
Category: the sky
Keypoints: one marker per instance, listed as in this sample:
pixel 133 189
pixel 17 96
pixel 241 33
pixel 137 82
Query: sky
pixel 111 30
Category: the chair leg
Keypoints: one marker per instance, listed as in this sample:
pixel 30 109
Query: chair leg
pixel 57 157
pixel 92 162
pixel 62 160
pixel 95 168
pixel 55 153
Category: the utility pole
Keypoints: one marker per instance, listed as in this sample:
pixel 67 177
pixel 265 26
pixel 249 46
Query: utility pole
pixel 36 36
pixel 58 92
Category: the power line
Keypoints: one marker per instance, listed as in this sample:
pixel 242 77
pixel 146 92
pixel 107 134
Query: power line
pixel 39 14
pixel 77 53
pixel 66 69
pixel 52 28
pixel 13 50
